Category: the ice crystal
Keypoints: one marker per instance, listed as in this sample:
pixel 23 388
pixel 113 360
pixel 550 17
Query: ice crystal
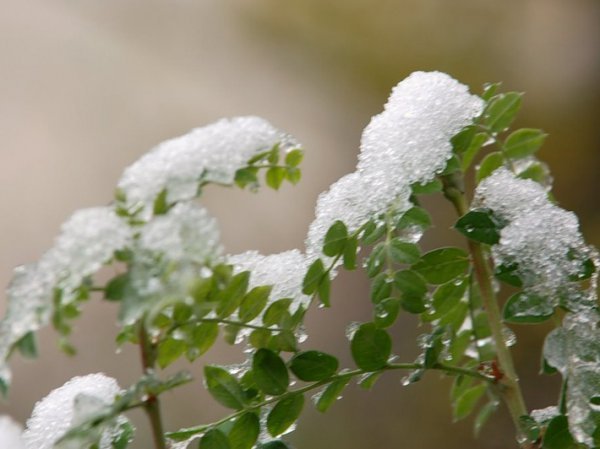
pixel 87 240
pixel 10 433
pixel 544 415
pixel 212 153
pixel 54 415
pixel 186 232
pixel 284 271
pixel 543 239
pixel 409 142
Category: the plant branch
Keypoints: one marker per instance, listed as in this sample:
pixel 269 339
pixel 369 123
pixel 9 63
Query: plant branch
pixel 510 391
pixel 151 403
pixel 183 434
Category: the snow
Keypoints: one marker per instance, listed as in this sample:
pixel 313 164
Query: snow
pixel 186 232
pixel 88 239
pixel 541 237
pixel 212 153
pixel 10 433
pixel 409 142
pixel 284 271
pixel 54 415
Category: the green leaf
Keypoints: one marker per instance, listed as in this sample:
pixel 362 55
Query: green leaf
pixel 381 287
pixel 430 187
pixel 284 414
pixel 413 289
pixel 116 288
pixel 434 346
pixel 371 347
pixel 523 142
pixel 324 290
pixel 462 140
pixel 312 366
pixel 372 232
pixel 484 415
pixel 403 252
pixel 122 436
pixel 452 166
pixel 293 175
pixel 169 350
pixel 270 372
pixel 230 298
pixel 376 259
pixel 527 308
pixel 509 274
pixel 537 171
pixel 350 251
pixel 202 338
pixel 254 302
pixel 313 277
pixel 442 265
pixel 246 176
pixel 27 346
pixel 277 312
pixel 335 239
pixel 276 444
pixel 275 176
pixel 224 387
pixel 273 155
pixel 530 428
pixel 465 403
pixel 161 206
pixel 415 216
pixel 489 90
pixel 181 313
pixel 386 312
pixel 367 382
pixel 245 431
pixel 501 111
pixel 557 434
pixel 480 225
pixel 294 158
pixel 467 158
pixel 214 439
pixel 446 297
pixel 331 394
pixel 488 165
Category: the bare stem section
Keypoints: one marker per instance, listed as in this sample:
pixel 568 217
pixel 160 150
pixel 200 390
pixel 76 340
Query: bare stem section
pixel 509 390
pixel 151 403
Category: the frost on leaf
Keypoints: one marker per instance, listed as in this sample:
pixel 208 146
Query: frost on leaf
pixel 186 232
pixel 10 433
pixel 67 406
pixel 212 153
pixel 284 271
pixel 574 350
pixel 409 142
pixel 539 237
pixel 87 241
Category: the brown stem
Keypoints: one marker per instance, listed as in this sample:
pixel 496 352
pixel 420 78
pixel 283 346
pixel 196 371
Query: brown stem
pixel 509 390
pixel 151 403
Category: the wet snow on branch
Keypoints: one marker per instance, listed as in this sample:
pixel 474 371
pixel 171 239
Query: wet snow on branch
pixel 186 232
pixel 87 240
pixel 212 153
pixel 284 271
pixel 543 239
pixel 409 142
pixel 54 415
pixel 10 433
pixel 574 350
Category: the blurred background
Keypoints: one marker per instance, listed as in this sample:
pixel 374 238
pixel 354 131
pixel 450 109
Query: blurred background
pixel 87 87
